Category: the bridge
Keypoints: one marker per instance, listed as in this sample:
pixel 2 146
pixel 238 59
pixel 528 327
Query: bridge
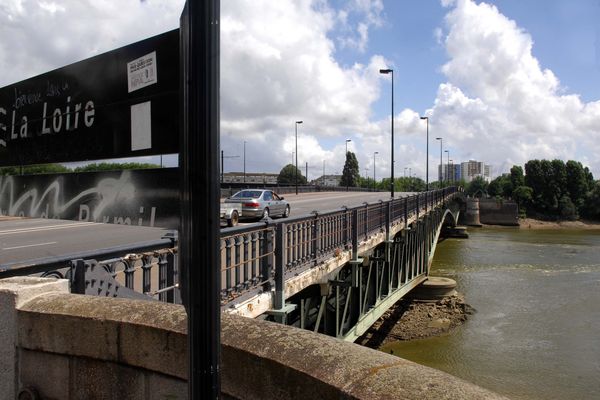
pixel 333 272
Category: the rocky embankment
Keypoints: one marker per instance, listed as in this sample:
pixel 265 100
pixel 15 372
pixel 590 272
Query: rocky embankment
pixel 413 319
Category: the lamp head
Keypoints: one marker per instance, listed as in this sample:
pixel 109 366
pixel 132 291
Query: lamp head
pixel 438 138
pixel 385 71
pixel 298 122
pixel 424 117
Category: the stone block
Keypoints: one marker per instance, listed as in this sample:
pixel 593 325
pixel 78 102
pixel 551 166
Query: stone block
pixel 47 373
pixel 102 380
pixel 14 292
pixel 161 387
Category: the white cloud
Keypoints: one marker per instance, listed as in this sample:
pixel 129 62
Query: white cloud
pixel 499 105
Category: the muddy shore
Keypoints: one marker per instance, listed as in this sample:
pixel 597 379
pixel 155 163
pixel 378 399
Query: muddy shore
pixel 530 223
pixel 409 319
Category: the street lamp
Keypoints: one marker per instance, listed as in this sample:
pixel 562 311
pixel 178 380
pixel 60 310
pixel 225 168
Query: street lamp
pixel 296 171
pixel 391 71
pixel 374 169
pixel 448 166
pixel 441 142
pixel 427 156
pixel 347 177
pixel 451 162
pixel 244 161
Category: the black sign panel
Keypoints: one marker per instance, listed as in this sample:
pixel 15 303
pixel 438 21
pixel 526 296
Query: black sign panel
pixel 147 197
pixel 123 103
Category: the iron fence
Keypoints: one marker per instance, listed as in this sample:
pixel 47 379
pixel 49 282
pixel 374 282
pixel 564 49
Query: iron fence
pixel 254 257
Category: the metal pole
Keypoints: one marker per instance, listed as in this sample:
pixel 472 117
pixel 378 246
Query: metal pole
pixel 441 167
pixel 306 172
pixel 296 171
pixel 244 161
pixel 427 156
pixel 347 178
pixel 222 169
pixel 199 194
pixel 392 133
pixel 448 166
pixel 391 71
pixel 374 180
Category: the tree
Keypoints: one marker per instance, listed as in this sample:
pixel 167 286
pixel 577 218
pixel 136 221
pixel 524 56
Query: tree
pixel 591 208
pixel 114 166
pixel 495 188
pixel 523 195
pixel 577 184
pixel 35 169
pixel 350 174
pixel 287 176
pixel 567 208
pixel 516 176
pixel 477 187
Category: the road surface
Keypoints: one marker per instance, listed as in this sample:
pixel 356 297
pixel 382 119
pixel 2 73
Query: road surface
pixel 32 238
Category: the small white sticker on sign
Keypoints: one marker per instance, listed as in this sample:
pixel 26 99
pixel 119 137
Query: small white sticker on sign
pixel 142 72
pixel 141 126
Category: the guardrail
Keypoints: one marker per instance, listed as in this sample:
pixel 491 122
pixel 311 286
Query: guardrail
pixel 254 257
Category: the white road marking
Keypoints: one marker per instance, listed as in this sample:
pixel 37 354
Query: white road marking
pixel 45 228
pixel 28 245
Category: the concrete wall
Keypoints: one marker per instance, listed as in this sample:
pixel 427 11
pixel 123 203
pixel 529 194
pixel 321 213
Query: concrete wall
pixel 498 212
pixel 73 347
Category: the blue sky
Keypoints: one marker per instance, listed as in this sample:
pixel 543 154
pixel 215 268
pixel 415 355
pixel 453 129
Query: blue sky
pixel 504 81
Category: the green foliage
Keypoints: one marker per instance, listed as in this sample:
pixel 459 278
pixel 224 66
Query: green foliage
pixel 523 195
pixel 577 182
pixel 516 176
pixel 114 167
pixel 477 187
pixel 567 208
pixel 35 169
pixel 501 186
pixel 350 174
pixel 287 176
pixel 591 206
pixel 61 169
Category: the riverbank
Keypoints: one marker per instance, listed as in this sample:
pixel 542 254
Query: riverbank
pixel 531 223
pixel 409 319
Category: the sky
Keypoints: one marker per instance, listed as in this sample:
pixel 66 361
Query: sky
pixel 501 81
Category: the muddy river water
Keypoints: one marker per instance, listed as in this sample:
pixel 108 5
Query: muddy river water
pixel 536 332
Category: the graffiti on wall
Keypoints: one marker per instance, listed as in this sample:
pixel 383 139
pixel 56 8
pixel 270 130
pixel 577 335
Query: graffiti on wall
pixel 133 197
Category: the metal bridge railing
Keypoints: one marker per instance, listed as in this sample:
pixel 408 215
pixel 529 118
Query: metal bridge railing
pixel 292 245
pixel 254 257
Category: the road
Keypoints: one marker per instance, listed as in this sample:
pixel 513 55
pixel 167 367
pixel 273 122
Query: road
pixel 32 238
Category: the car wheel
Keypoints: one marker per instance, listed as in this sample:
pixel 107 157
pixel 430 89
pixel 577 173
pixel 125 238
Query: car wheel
pixel 234 219
pixel 287 212
pixel 265 213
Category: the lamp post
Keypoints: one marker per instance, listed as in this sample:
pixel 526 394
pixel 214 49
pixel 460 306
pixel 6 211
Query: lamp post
pixel 374 180
pixel 447 166
pixel 296 171
pixel 427 156
pixel 244 161
pixel 441 142
pixel 391 71
pixel 347 178
pixel 451 162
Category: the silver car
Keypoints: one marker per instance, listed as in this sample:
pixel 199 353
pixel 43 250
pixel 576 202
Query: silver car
pixel 259 203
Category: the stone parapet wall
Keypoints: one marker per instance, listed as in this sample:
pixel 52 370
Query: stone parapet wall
pixel 73 346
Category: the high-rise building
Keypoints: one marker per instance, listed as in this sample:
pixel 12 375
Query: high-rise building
pixel 450 173
pixel 472 169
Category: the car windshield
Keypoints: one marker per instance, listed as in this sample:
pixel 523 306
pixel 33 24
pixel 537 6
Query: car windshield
pixel 247 194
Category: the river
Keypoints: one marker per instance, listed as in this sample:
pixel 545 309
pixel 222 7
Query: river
pixel 536 332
